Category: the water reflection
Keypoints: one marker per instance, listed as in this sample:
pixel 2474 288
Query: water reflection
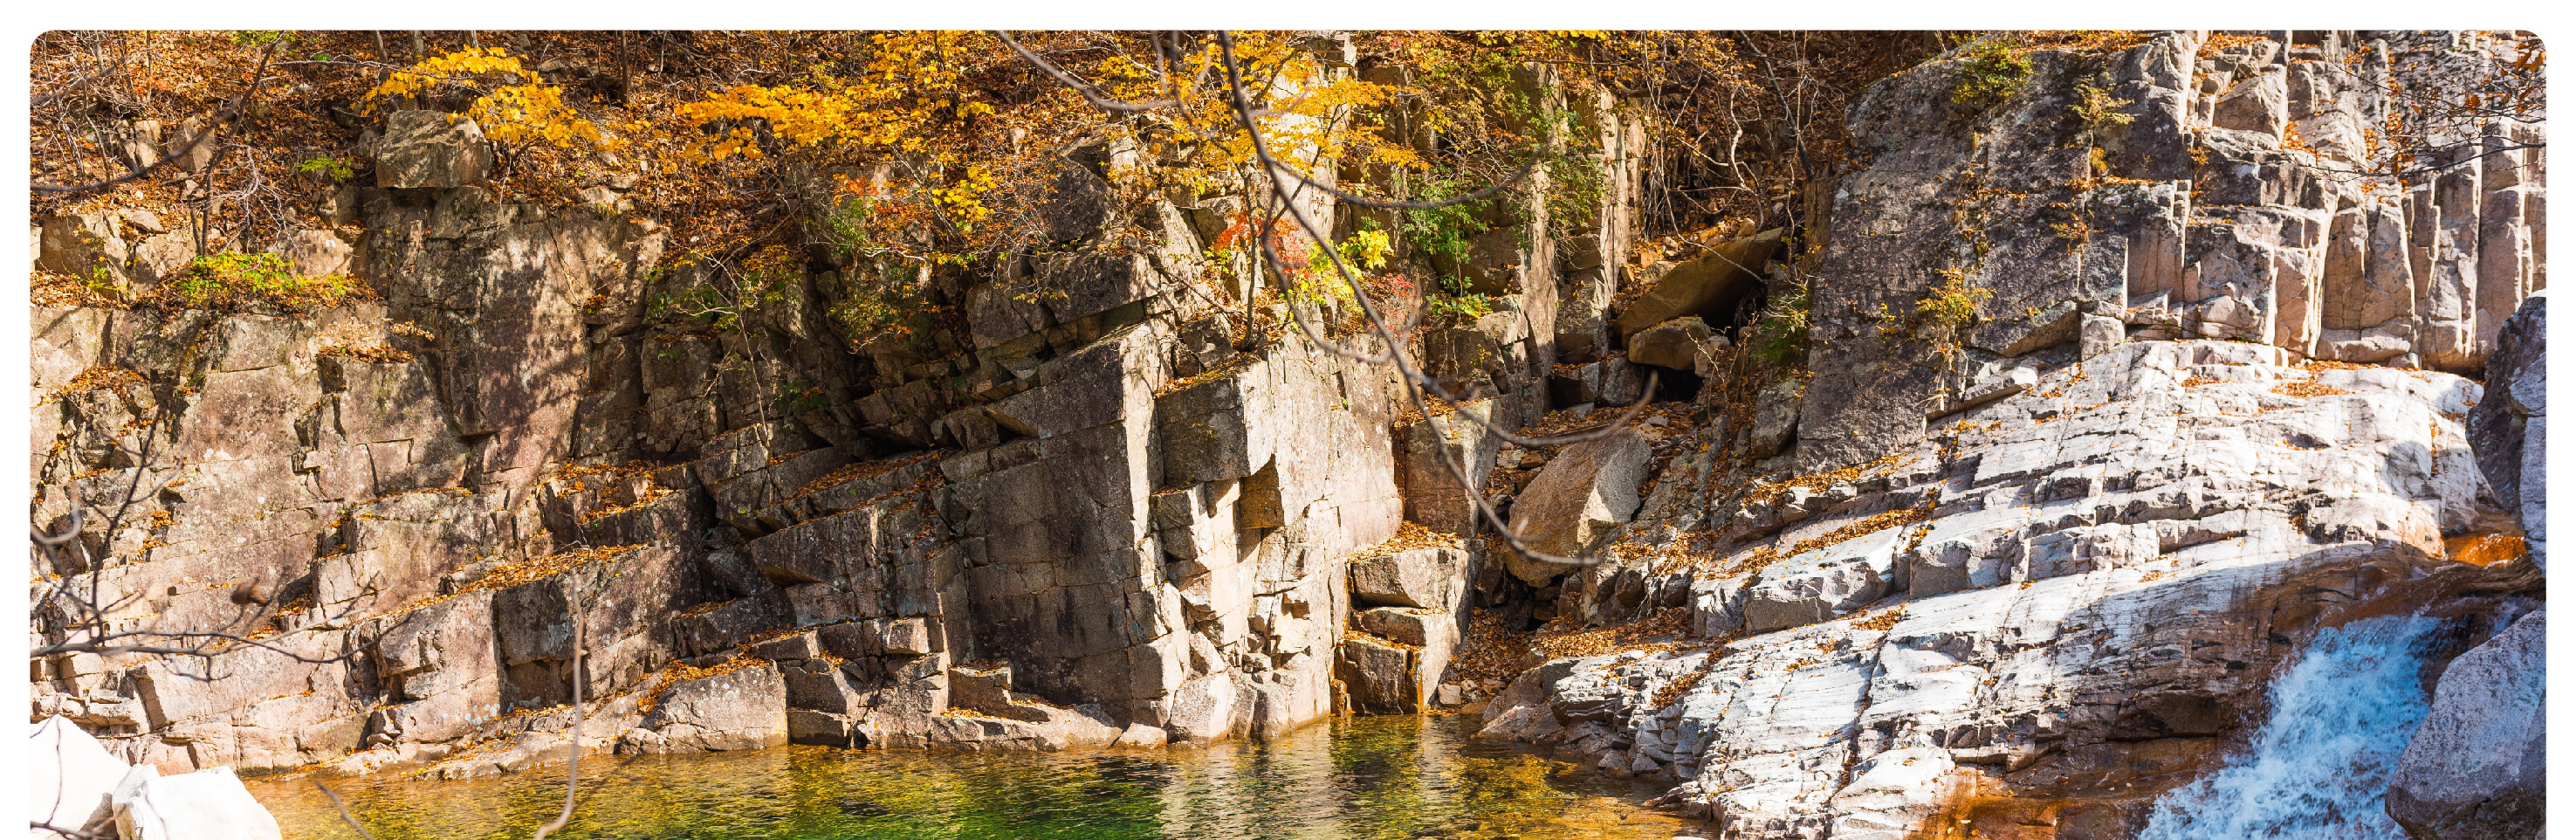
pixel 1357 778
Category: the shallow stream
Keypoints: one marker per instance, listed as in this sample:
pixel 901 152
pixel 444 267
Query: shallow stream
pixel 1387 777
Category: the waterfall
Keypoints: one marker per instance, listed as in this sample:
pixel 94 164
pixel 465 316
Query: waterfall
pixel 2341 715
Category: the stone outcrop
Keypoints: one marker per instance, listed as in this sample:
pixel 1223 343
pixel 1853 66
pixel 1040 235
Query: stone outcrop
pixel 2075 592
pixel 2056 562
pixel 2189 216
pixel 1576 500
pixel 2478 768
pixel 2209 401
pixel 430 150
pixel 1137 508
pixel 2509 428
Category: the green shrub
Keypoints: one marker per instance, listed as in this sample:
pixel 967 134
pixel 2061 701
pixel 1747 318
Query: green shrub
pixel 1990 71
pixel 891 307
pixel 800 396
pixel 1779 334
pixel 764 280
pixel 326 166
pixel 1444 234
pixel 1946 313
pixel 1455 302
pixel 232 279
pixel 845 229
pixel 2097 109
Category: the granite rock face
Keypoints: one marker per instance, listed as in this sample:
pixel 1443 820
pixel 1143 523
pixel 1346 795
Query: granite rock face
pixel 2209 402
pixel 2478 767
pixel 2510 427
pixel 1141 511
pixel 2190 217
pixel 2075 592
pixel 1437 452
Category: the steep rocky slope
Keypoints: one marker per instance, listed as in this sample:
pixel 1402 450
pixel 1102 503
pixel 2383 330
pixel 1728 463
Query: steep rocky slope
pixel 2083 590
pixel 2039 570
pixel 2036 562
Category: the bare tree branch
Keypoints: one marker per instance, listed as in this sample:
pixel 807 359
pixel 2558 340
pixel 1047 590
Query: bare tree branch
pixel 343 808
pixel 222 119
pixel 1413 378
pixel 1090 93
pixel 572 768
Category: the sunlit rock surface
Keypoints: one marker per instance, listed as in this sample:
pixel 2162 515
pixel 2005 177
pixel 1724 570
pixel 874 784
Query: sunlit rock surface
pixel 2105 574
pixel 2203 404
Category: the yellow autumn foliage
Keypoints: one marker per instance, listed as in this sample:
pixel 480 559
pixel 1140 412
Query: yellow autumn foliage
pixel 515 112
pixel 912 99
pixel 898 103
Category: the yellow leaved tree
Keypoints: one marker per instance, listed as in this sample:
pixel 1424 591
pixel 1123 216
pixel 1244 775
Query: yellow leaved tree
pixel 512 108
pixel 955 117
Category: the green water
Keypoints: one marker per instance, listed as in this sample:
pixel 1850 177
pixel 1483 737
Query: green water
pixel 1390 777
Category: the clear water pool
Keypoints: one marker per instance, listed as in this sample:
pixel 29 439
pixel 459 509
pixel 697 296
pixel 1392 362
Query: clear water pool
pixel 1387 777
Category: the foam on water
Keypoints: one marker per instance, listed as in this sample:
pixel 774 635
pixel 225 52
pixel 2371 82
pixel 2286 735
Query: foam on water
pixel 2341 715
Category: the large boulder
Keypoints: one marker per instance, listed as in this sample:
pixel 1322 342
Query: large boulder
pixel 1775 418
pixel 1611 381
pixel 1708 286
pixel 1383 677
pixel 1420 577
pixel 1673 344
pixel 209 804
pixel 71 775
pixel 431 150
pixel 2477 767
pixel 1433 495
pixel 742 709
pixel 1577 499
pixel 1398 666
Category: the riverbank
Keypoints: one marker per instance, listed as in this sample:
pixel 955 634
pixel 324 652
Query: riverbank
pixel 1367 777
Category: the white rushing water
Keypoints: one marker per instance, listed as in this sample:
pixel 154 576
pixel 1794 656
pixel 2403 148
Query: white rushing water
pixel 2341 715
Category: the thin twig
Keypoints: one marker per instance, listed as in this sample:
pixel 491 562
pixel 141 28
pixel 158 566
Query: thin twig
pixel 226 118
pixel 1415 381
pixel 1090 93
pixel 343 808
pixel 572 768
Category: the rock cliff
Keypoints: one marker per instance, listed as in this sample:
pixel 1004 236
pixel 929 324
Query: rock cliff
pixel 2118 386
